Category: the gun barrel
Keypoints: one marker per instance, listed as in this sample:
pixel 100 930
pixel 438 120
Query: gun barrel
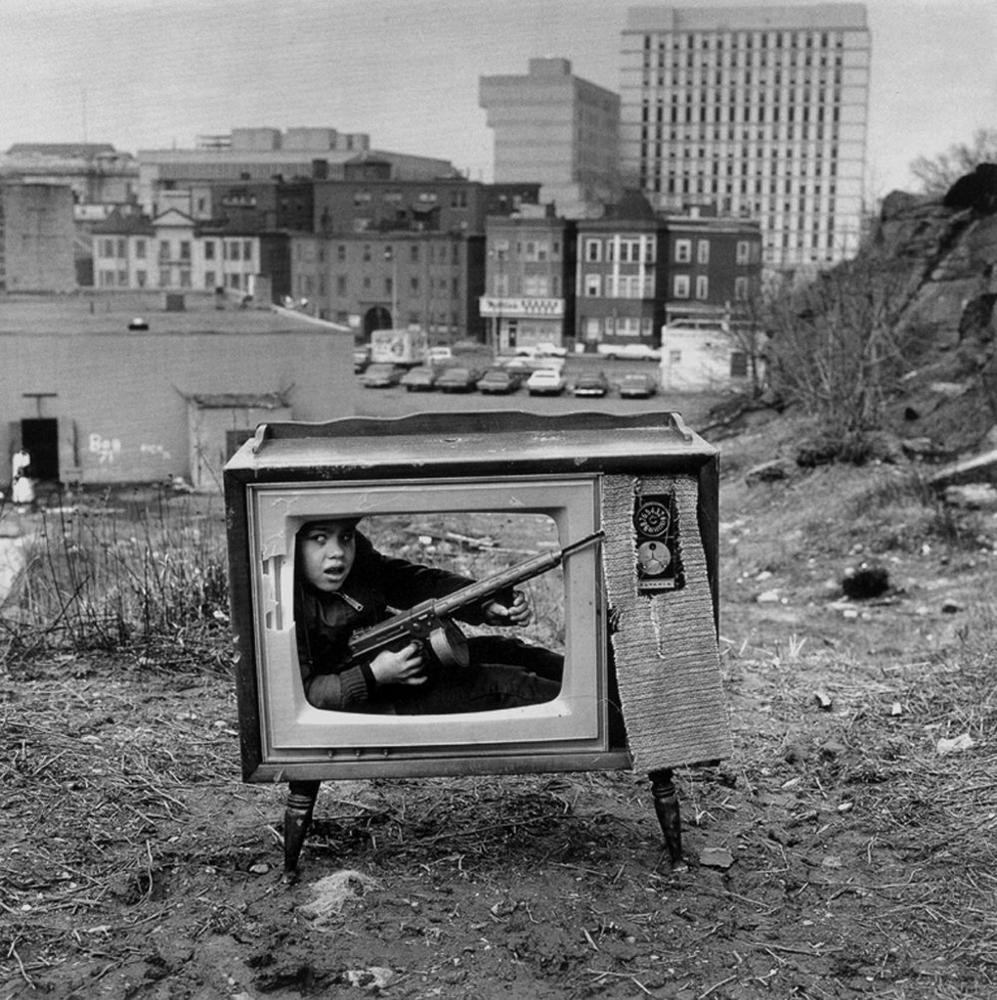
pixel 534 566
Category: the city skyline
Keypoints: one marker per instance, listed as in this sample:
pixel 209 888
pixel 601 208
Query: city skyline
pixel 143 74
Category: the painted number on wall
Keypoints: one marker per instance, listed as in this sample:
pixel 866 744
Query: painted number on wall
pixel 106 449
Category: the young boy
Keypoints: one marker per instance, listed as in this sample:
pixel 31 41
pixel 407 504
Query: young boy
pixel 343 583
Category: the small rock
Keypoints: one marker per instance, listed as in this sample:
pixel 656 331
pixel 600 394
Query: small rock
pixel 951 606
pixel 823 700
pixel 956 745
pixel 716 857
pixel 767 472
pixel 972 496
pixel 865 580
pixel 768 597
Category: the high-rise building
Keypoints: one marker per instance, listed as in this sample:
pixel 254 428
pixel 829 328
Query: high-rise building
pixel 557 129
pixel 759 111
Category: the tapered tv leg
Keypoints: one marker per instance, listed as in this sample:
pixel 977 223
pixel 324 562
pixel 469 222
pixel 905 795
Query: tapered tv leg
pixel 666 807
pixel 297 818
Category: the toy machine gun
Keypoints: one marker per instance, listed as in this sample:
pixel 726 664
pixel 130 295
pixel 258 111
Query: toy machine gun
pixel 430 624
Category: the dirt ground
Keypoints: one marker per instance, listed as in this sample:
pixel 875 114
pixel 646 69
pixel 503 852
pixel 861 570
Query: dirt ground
pixel 845 850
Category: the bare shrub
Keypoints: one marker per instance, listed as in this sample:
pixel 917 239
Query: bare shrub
pixel 108 578
pixel 837 350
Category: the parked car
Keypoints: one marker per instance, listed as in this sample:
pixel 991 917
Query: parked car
pixel 381 375
pixel 436 354
pixel 420 379
pixel 637 386
pixel 591 384
pixel 458 379
pixel 545 350
pixel 545 382
pixel 631 352
pixel 501 380
pixel 361 358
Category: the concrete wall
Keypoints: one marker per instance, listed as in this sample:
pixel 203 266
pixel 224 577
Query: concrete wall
pixel 699 360
pixel 122 400
pixel 37 229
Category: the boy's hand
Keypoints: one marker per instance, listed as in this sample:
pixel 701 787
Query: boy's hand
pixel 401 667
pixel 517 613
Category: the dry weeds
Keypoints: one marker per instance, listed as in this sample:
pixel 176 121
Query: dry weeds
pixel 137 865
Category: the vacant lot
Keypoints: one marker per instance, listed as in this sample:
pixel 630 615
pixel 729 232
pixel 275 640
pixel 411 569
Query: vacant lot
pixel 848 849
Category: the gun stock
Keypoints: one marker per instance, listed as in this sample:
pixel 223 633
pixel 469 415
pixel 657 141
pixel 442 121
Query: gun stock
pixel 430 622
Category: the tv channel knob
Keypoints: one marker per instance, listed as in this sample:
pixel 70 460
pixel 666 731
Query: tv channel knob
pixel 653 558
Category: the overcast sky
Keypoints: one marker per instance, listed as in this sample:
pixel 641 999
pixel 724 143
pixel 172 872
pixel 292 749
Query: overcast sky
pixel 142 74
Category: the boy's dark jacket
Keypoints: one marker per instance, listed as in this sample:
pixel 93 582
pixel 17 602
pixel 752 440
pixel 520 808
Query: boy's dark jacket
pixel 376 584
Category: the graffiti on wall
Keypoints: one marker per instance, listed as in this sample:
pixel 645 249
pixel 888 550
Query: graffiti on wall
pixel 107 450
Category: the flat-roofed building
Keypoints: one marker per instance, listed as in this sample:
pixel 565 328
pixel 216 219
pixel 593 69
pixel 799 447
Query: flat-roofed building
pixel 760 111
pixel 37 234
pixel 264 154
pixel 125 387
pixel 557 129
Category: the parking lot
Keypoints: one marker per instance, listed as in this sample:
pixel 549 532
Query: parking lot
pixel 396 401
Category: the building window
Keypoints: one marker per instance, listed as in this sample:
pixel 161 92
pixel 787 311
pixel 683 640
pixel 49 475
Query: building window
pixel 121 249
pixel 185 277
pixel 703 252
pixel 593 251
pixel 738 364
pixel 164 251
pixel 164 277
pixel 675 357
pixel 681 286
pixel 536 285
pixel 366 252
pixel 209 249
pixel 742 253
pixel 702 287
pixel 341 252
pixel 140 249
pixel 185 250
pixel 140 278
pixel 593 284
pixel 683 251
pixel 414 253
pixel 247 250
pixel 341 284
pixel 210 281
pixel 414 283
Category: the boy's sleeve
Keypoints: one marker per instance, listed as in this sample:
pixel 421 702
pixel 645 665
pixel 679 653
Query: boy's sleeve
pixel 347 691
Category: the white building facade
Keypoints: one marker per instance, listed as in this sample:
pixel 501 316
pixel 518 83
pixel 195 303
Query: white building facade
pixel 760 111
pixel 170 253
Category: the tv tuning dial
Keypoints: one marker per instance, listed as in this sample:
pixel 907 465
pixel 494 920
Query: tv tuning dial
pixel 653 518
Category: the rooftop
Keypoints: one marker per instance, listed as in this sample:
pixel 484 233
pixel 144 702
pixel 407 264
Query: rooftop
pixel 110 313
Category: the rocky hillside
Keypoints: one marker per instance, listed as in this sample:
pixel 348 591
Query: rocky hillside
pixel 949 401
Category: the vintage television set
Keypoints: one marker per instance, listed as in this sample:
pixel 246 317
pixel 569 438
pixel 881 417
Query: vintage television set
pixel 614 518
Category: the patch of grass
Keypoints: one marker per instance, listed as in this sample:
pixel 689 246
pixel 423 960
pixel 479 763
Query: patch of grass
pixel 102 577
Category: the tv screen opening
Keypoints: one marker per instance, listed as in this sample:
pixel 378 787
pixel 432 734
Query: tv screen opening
pixel 475 529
